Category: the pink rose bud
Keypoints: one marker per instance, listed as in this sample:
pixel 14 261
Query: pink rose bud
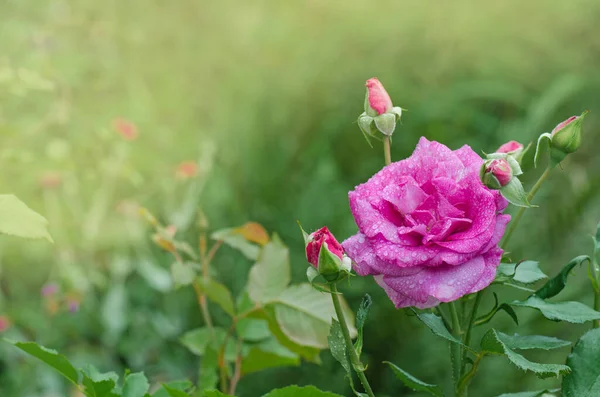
pixel 563 124
pixel 501 170
pixel 49 289
pixel 377 98
pixel 510 147
pixel 315 242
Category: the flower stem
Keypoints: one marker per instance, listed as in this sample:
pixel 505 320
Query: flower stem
pixel 456 348
pixel 467 339
pixel 387 150
pixel 514 222
pixel 354 359
pixel 596 324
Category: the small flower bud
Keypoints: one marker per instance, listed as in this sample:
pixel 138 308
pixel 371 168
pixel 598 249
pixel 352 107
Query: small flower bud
pixel 566 136
pixel 496 173
pixel 511 147
pixel 4 323
pixel 315 242
pixel 377 101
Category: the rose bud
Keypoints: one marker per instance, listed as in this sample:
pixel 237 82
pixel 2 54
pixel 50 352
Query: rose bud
pixel 511 147
pixel 326 255
pixel 566 136
pixel 497 173
pixel 380 115
pixel 4 323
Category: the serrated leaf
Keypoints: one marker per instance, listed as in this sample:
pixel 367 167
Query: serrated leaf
pixel 573 312
pixel 514 192
pixel 217 293
pixel 492 343
pixel 97 384
pixel 584 381
pixel 136 385
pixel 524 342
pixel 297 391
pixel 237 241
pixel 558 283
pixel 173 392
pixel 17 219
pixel 414 383
pixel 304 315
pixel 436 325
pixel 270 275
pixel 528 272
pixel 361 318
pixel 537 393
pixel 337 346
pixel 50 357
pixel 174 389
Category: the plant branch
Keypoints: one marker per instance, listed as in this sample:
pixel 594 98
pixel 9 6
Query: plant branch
pixel 456 349
pixel 467 340
pixel 354 359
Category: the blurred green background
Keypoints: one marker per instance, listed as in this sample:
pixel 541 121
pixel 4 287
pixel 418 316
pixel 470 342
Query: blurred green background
pixel 264 95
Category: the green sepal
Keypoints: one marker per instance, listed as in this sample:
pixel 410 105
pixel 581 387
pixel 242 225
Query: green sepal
pixel 386 123
pixel 304 234
pixel 515 194
pixel 543 145
pixel 330 265
pixel 311 274
pixel 396 110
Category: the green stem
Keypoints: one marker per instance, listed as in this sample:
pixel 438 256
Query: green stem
pixel 387 150
pixel 596 323
pixel 514 222
pixel 456 348
pixel 467 339
pixel 354 359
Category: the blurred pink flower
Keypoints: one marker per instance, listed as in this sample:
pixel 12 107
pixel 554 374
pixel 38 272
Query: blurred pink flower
pixel 428 228
pixel 4 323
pixel 126 128
pixel 49 289
pixel 171 230
pixel 187 169
pixel 379 99
pixel 315 242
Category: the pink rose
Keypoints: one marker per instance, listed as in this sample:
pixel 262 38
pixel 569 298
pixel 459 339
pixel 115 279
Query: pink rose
pixel 428 227
pixel 378 98
pixel 563 124
pixel 510 147
pixel 501 170
pixel 316 240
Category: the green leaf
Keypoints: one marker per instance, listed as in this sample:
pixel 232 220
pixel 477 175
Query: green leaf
pixel 304 315
pixel 526 272
pixel 436 325
pixel 515 194
pixel 557 283
pixel 217 293
pixel 414 383
pixel 361 318
pixel 573 312
pixel 214 393
pixel 17 219
pixel 488 317
pixel 237 241
pixel 310 354
pixel 337 346
pixel 51 358
pixel 584 381
pixel 270 275
pixel 173 392
pixel 538 393
pixel 524 342
pixel 297 391
pixel 253 330
pixel 136 385
pixel 182 274
pixel 268 354
pixel 208 376
pixel 197 341
pixel 97 384
pixel 174 389
pixel 492 343
pixel 542 148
